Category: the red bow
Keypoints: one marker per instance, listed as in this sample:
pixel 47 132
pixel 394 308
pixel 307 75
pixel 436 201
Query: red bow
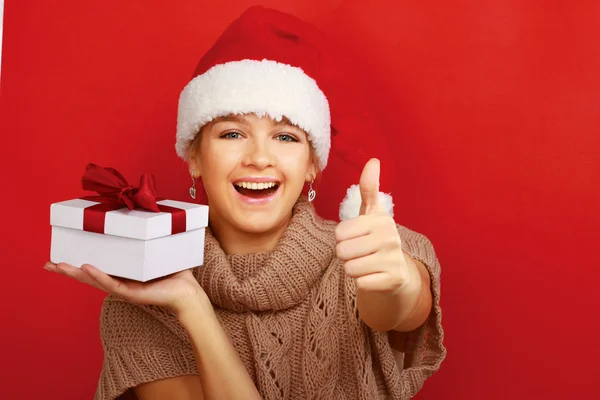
pixel 112 187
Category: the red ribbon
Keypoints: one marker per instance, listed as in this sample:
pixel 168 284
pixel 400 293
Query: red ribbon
pixel 114 193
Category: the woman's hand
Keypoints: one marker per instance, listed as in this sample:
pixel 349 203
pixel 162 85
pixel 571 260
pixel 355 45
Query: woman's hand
pixel 393 290
pixel 370 244
pixel 174 292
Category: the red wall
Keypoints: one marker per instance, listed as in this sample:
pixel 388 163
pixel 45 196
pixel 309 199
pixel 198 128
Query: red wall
pixel 490 110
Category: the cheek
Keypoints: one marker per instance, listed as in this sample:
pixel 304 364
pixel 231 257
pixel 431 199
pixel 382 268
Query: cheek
pixel 218 161
pixel 293 164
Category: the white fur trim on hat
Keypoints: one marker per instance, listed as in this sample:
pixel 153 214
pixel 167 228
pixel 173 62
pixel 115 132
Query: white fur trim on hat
pixel 350 206
pixel 262 87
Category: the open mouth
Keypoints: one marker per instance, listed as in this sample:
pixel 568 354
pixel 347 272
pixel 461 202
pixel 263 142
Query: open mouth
pixel 256 190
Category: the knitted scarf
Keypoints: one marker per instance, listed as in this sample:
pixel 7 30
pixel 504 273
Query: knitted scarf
pixel 291 314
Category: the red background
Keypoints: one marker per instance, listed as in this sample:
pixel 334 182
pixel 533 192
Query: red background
pixel 490 146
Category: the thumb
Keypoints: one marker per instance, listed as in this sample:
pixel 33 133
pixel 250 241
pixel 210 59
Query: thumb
pixel 369 187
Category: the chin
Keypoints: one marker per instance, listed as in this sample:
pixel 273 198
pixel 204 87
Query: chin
pixel 260 221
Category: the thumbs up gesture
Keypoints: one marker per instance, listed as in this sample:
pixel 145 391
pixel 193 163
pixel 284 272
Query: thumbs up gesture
pixel 370 244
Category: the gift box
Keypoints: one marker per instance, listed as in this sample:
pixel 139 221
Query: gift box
pixel 126 231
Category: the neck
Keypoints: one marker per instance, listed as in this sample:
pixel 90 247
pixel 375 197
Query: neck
pixel 235 241
pixel 241 276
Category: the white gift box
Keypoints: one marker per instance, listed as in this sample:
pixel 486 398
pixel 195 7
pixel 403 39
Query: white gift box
pixel 136 244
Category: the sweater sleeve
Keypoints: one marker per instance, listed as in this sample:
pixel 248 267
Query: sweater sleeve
pixel 425 350
pixel 141 344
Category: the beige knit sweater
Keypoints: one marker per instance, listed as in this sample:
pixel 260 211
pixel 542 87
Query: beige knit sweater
pixel 291 314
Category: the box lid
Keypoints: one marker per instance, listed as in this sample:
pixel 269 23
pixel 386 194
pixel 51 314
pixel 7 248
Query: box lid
pixel 135 224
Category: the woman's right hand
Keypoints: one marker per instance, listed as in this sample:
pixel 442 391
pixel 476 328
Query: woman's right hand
pixel 175 292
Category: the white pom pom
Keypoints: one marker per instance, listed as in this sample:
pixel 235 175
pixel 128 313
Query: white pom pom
pixel 350 206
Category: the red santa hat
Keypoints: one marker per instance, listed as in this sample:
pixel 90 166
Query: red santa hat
pixel 273 64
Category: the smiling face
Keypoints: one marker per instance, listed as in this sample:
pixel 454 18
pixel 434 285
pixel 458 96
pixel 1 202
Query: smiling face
pixel 253 170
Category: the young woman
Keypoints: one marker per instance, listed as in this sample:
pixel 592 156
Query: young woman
pixel 287 305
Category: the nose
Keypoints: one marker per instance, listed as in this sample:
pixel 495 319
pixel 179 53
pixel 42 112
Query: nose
pixel 258 154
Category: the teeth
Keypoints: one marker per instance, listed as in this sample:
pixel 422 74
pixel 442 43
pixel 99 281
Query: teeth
pixel 256 186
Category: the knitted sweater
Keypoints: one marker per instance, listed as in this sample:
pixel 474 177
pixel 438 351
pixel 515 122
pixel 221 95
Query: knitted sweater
pixel 291 314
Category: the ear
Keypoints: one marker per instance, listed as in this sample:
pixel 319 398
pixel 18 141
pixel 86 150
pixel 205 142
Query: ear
pixel 193 160
pixel 193 154
pixel 312 172
pixel 195 167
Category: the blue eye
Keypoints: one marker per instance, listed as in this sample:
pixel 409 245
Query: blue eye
pixel 286 138
pixel 231 135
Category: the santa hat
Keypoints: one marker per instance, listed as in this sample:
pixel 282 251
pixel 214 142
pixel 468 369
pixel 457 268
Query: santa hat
pixel 273 64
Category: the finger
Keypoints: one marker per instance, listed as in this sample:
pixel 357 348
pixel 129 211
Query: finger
pixel 75 273
pixel 355 248
pixel 369 187
pixel 50 266
pixel 362 266
pixel 117 286
pixel 378 282
pixel 359 226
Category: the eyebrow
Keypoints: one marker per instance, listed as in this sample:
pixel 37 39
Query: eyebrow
pixel 232 118
pixel 241 120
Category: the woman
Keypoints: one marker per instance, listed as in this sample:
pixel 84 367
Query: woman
pixel 287 305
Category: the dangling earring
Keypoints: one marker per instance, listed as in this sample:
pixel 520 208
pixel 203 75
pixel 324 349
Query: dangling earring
pixel 311 192
pixel 193 188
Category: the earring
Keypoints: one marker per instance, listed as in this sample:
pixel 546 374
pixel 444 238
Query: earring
pixel 193 188
pixel 311 192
